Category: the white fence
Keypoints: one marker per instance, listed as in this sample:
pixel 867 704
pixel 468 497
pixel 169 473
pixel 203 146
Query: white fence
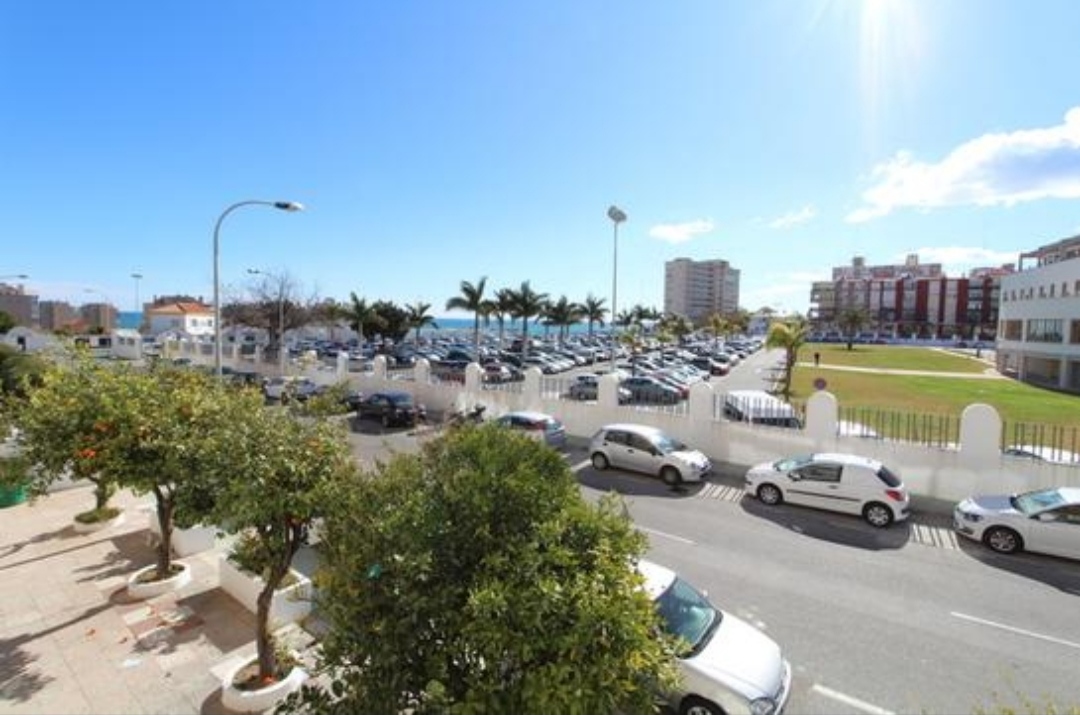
pixel 974 465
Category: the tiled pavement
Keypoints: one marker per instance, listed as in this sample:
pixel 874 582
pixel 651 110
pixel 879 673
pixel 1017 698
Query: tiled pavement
pixel 71 641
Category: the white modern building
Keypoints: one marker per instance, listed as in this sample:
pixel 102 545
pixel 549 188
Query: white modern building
pixel 1038 337
pixel 697 289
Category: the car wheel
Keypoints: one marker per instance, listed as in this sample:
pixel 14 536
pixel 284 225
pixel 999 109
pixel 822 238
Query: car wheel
pixel 877 514
pixel 599 461
pixel 693 705
pixel 1002 540
pixel 769 494
pixel 671 476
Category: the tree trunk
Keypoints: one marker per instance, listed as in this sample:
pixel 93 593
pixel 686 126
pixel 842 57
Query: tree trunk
pixel 165 509
pixel 264 641
pixel 103 490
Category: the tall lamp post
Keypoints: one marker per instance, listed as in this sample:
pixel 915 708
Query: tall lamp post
pixel 617 216
pixel 280 315
pixel 281 206
pixel 138 306
pixel 18 276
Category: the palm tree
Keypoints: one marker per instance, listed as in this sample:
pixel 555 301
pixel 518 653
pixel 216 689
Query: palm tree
pixel 527 303
pixel 418 318
pixel 562 314
pixel 718 325
pixel 788 335
pixel 625 318
pixel 851 322
pixel 472 299
pixel 593 310
pixel 360 314
pixel 500 307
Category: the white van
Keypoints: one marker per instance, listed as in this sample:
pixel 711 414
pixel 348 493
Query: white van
pixel 759 407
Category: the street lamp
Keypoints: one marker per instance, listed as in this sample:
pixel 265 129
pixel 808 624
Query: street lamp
pixel 281 206
pixel 617 216
pixel 280 316
pixel 19 276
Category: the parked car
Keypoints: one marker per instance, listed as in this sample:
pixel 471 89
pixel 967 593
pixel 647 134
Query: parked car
pixel 587 387
pixel 391 408
pixel 1040 453
pixel 730 666
pixel 641 448
pixel 846 483
pixel 644 388
pixel 1046 521
pixel 543 427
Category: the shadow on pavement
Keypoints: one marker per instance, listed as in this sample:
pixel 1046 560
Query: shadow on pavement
pixel 844 529
pixel 1055 572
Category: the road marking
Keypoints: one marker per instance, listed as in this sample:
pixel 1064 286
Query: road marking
pixel 581 465
pixel 666 535
pixel 848 700
pixel 1013 629
pixel 723 492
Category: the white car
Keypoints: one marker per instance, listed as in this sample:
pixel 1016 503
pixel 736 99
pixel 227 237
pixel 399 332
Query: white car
pixel 1047 521
pixel 837 482
pixel 730 667
pixel 641 448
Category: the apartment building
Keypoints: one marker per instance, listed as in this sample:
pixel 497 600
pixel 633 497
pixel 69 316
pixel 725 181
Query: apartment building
pixel 20 305
pixel 98 317
pixel 1039 317
pixel 697 289
pixel 911 299
pixel 57 314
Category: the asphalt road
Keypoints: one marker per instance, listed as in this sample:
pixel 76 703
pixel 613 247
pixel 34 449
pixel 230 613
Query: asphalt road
pixel 910 619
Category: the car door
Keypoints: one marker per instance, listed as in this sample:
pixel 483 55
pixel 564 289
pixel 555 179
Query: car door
pixel 1056 531
pixel 816 484
pixel 616 447
pixel 373 406
pixel 641 454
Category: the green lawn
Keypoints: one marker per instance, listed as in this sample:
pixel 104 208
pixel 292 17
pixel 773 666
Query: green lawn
pixel 1014 401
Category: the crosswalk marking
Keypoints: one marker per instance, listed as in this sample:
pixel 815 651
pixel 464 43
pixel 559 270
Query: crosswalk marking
pixel 722 492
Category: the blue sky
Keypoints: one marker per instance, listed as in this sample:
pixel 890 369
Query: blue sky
pixel 438 142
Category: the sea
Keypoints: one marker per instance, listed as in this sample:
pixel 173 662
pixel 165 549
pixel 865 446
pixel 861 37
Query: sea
pixel 131 319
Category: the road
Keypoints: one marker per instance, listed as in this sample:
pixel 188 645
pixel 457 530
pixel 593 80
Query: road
pixel 907 619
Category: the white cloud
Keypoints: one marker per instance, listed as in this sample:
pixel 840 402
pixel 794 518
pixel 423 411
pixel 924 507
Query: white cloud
pixel 994 169
pixel 794 218
pixel 958 260
pixel 681 232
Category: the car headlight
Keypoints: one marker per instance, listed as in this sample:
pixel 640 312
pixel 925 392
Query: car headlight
pixel 762 706
pixel 970 516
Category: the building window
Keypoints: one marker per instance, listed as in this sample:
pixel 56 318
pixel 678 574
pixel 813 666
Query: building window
pixel 1012 329
pixel 1074 331
pixel 1044 330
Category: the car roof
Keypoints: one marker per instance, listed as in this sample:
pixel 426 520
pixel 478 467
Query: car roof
pixel 391 393
pixel 657 578
pixel 631 427
pixel 846 459
pixel 1070 494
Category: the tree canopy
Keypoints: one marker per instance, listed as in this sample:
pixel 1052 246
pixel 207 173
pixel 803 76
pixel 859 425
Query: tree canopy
pixel 473 577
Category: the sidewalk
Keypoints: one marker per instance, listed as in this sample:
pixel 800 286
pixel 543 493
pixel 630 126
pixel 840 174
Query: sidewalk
pixel 71 641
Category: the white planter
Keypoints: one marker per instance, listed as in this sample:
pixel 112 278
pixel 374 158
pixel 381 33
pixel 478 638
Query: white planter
pixel 289 605
pixel 148 589
pixel 185 542
pixel 256 701
pixel 81 528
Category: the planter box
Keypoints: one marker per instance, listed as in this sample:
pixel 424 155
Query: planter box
pixel 185 542
pixel 143 590
pixel 289 605
pixel 10 496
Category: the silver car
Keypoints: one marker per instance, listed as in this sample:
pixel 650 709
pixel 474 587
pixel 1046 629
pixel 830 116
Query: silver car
pixel 641 448
pixel 1046 520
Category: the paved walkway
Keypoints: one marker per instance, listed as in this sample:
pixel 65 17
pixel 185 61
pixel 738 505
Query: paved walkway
pixel 71 641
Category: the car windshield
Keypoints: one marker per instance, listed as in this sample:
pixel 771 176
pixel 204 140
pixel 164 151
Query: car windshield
pixel 667 445
pixel 786 465
pixel 687 615
pixel 400 400
pixel 1034 502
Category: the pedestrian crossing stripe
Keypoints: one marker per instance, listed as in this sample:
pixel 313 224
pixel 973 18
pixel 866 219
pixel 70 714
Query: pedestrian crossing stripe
pixel 722 492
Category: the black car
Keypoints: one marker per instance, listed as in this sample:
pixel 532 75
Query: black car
pixel 391 408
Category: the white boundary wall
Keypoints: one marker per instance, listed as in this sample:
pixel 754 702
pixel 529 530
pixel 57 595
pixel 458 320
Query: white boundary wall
pixel 976 466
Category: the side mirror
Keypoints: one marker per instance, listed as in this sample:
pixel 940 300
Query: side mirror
pixel 794 476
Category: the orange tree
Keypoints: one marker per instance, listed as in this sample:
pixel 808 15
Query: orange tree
pixel 63 428
pixel 267 476
pixel 474 577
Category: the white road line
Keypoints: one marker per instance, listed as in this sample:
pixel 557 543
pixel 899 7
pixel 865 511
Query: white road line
pixel 666 535
pixel 848 700
pixel 1013 629
pixel 581 465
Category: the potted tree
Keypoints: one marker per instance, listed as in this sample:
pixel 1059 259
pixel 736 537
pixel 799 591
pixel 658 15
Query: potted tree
pixel 270 476
pixel 61 433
